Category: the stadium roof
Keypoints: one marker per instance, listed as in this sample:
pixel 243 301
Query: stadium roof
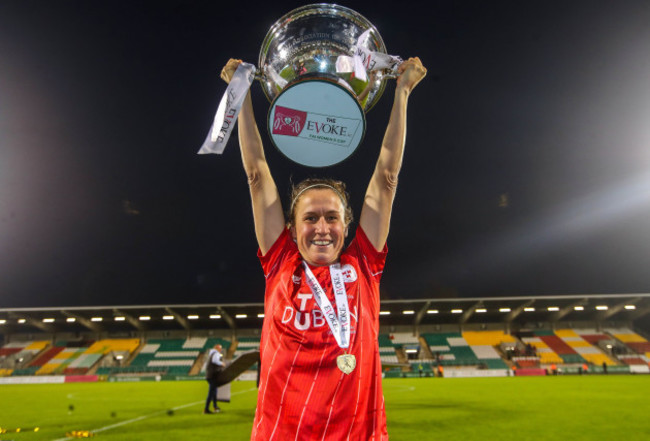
pixel 521 310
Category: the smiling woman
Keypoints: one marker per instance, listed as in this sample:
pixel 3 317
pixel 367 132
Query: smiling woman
pixel 313 283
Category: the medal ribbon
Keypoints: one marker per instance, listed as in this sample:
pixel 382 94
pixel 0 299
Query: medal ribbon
pixel 338 323
pixel 228 111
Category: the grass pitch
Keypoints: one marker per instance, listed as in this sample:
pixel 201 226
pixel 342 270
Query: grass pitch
pixel 525 408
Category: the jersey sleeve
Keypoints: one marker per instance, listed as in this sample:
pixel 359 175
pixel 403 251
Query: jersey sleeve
pixel 281 249
pixel 372 259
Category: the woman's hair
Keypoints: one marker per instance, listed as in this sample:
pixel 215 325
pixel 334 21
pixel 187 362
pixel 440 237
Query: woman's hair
pixel 337 187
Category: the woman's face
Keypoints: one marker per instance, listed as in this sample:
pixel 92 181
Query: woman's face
pixel 319 226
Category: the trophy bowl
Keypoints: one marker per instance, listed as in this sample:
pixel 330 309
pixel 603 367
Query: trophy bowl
pixel 317 114
pixel 308 41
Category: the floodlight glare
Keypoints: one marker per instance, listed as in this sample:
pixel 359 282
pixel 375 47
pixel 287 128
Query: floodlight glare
pixel 215 316
pixel 21 321
pixel 456 311
pixel 192 317
pixel 384 312
pixel 168 317
pixel 630 307
pixel 144 318
pixel 481 310
pixel 553 308
pixel 432 311
pixel 96 319
pixel 411 351
pixel 3 321
pixel 408 312
pixel 260 315
pixel 119 318
pixel 504 310
pixel 579 308
pixel 529 309
pixel 48 320
pixel 602 308
pixel 241 315
pixel 71 320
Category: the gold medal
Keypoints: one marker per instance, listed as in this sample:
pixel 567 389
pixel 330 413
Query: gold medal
pixel 346 363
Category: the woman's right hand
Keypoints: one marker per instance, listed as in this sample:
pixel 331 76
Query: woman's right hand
pixel 229 69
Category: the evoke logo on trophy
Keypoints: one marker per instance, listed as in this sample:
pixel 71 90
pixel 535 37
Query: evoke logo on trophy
pixel 321 66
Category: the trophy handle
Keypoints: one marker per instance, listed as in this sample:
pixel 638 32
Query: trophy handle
pixel 389 73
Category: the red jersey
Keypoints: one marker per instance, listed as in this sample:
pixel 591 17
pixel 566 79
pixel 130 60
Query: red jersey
pixel 303 395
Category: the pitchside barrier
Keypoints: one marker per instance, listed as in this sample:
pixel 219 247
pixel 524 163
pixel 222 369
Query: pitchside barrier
pixel 460 372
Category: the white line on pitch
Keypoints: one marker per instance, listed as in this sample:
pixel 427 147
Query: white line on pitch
pixel 144 417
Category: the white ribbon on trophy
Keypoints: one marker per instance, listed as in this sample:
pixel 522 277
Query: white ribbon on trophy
pixel 364 60
pixel 228 110
pixel 281 82
pixel 230 105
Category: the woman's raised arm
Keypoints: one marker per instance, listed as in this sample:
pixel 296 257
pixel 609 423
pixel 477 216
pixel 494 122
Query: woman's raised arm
pixel 378 202
pixel 267 207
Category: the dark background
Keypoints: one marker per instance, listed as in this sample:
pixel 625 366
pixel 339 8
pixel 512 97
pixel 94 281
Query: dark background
pixel 527 166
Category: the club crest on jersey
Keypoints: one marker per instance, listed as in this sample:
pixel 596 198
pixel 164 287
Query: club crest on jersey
pixel 349 273
pixel 296 279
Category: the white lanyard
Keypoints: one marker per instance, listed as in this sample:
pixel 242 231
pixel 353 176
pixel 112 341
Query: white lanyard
pixel 338 323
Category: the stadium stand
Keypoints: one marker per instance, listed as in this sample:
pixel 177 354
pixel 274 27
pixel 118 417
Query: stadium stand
pixel 404 338
pixel 566 353
pixel 586 350
pixel 484 344
pixel 169 355
pixel 534 334
pixel 632 340
pixel 639 347
pixel 527 362
pixel 633 360
pixel 5 351
pixel 545 353
pixel 77 358
pixel 165 356
pixel 58 362
pixel 387 352
pixel 16 356
pixel 46 356
pixel 451 349
pixel 407 346
pixel 246 344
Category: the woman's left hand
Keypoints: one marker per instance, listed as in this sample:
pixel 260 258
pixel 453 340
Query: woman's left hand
pixel 410 73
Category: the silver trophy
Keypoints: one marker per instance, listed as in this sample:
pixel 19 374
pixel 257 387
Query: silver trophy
pixel 322 66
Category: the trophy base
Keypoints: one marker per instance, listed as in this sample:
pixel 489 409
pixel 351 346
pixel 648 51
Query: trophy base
pixel 317 121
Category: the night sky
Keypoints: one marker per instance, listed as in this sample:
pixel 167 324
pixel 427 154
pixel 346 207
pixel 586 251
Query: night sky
pixel 526 172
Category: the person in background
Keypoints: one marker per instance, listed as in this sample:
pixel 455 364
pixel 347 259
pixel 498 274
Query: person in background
pixel 214 365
